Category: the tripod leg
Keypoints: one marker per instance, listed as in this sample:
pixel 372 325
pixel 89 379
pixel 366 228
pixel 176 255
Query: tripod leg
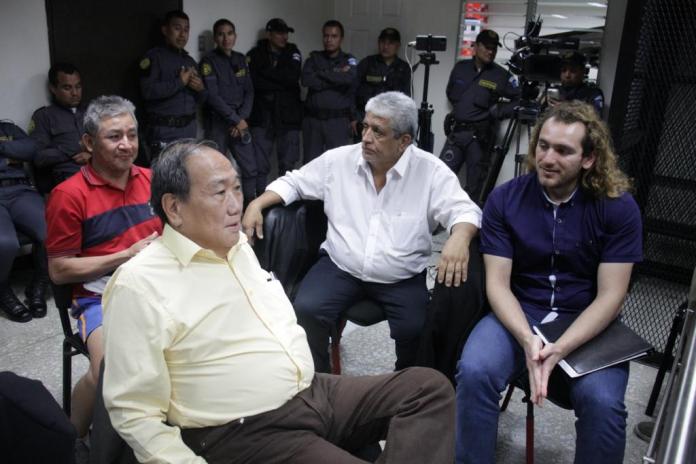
pixel 497 160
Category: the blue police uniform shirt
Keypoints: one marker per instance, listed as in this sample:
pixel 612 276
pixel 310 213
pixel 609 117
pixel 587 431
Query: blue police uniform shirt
pixel 328 87
pixel 555 256
pixel 161 86
pixel 16 148
pixel 473 92
pixel 586 93
pixel 375 76
pixel 230 90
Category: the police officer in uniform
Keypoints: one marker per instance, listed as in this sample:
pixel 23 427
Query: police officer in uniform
pixel 573 86
pixel 171 86
pixel 21 209
pixel 275 66
pixel 57 129
pixel 474 89
pixel 229 102
pixel 382 72
pixel 330 77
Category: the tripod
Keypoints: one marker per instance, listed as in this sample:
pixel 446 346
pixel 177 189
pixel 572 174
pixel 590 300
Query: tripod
pixel 426 139
pixel 525 115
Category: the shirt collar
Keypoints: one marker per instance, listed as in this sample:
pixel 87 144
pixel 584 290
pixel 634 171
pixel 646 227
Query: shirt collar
pixel 93 178
pixel 184 249
pixel 546 197
pixel 399 168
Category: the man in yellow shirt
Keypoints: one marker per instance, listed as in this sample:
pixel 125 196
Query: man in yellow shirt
pixel 205 362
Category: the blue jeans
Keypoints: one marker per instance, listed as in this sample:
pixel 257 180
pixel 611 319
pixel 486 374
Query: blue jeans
pixel 491 358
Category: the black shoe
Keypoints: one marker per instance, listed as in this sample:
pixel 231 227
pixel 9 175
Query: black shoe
pixel 644 430
pixel 11 305
pixel 36 297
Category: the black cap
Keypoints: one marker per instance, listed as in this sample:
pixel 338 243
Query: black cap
pixel 390 34
pixel 278 25
pixel 489 38
pixel 573 59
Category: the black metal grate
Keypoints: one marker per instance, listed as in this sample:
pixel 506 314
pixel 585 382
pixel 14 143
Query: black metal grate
pixel 657 148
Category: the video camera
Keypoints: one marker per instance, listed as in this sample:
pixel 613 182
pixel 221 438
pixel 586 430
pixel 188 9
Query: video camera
pixel 536 59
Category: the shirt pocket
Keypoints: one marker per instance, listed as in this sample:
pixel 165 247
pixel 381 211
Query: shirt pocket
pixel 408 232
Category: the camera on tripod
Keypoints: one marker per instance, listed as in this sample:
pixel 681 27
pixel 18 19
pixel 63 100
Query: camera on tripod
pixel 536 59
pixel 431 43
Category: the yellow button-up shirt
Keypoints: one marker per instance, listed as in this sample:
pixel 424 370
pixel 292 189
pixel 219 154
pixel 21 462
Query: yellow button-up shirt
pixel 196 341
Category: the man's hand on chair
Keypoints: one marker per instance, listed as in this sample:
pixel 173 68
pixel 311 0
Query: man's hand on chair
pixel 252 222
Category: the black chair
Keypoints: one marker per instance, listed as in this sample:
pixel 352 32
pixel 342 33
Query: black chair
pixel 558 394
pixel 72 343
pixel 292 235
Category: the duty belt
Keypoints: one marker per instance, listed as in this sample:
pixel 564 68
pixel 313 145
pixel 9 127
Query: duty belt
pixel 321 113
pixel 11 182
pixel 469 126
pixel 171 121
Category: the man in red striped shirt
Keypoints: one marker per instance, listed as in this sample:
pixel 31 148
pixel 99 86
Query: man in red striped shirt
pixel 97 220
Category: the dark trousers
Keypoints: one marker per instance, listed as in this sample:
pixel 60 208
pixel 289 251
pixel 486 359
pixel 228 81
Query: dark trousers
pixel 33 428
pixel 412 409
pixel 463 147
pixel 244 153
pixel 319 135
pixel 21 209
pixel 287 143
pixel 327 291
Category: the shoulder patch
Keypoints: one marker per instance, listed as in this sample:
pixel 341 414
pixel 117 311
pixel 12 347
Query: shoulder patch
pixel 145 63
pixel 352 61
pixel 206 69
pixel 32 126
pixel 513 81
pixel 296 56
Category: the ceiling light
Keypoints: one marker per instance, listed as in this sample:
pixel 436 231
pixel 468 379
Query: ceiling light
pixel 597 4
pixel 559 16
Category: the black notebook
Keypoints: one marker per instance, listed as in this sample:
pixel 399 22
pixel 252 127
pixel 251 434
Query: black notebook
pixel 616 344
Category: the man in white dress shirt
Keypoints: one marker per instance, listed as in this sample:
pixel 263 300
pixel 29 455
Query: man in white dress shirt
pixel 383 199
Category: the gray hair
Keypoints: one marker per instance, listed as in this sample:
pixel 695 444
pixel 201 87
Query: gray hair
pixel 398 108
pixel 106 106
pixel 169 173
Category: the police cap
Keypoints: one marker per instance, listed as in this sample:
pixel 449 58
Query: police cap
pixel 278 25
pixel 489 38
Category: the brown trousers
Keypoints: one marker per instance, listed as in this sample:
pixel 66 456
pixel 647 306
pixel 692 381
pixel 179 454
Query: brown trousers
pixel 413 410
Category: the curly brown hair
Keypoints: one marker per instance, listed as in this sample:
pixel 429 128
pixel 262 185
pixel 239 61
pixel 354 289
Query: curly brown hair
pixel 604 178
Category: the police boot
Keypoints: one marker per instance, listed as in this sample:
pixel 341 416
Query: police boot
pixel 11 305
pixel 36 296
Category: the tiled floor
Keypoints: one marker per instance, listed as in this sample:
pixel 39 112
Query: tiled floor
pixel 34 350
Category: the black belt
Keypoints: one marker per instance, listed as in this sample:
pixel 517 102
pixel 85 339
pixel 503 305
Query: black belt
pixel 469 126
pixel 171 121
pixel 320 113
pixel 11 182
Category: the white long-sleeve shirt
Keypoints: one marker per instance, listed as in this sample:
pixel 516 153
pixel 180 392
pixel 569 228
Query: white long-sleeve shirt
pixel 380 237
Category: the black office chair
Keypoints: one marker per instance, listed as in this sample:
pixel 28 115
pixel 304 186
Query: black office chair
pixel 292 235
pixel 72 343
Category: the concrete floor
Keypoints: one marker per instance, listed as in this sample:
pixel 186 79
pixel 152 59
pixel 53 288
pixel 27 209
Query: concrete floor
pixel 34 350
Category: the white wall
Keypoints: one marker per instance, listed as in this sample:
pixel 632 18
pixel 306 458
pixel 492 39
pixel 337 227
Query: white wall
pixel 24 59
pixel 250 18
